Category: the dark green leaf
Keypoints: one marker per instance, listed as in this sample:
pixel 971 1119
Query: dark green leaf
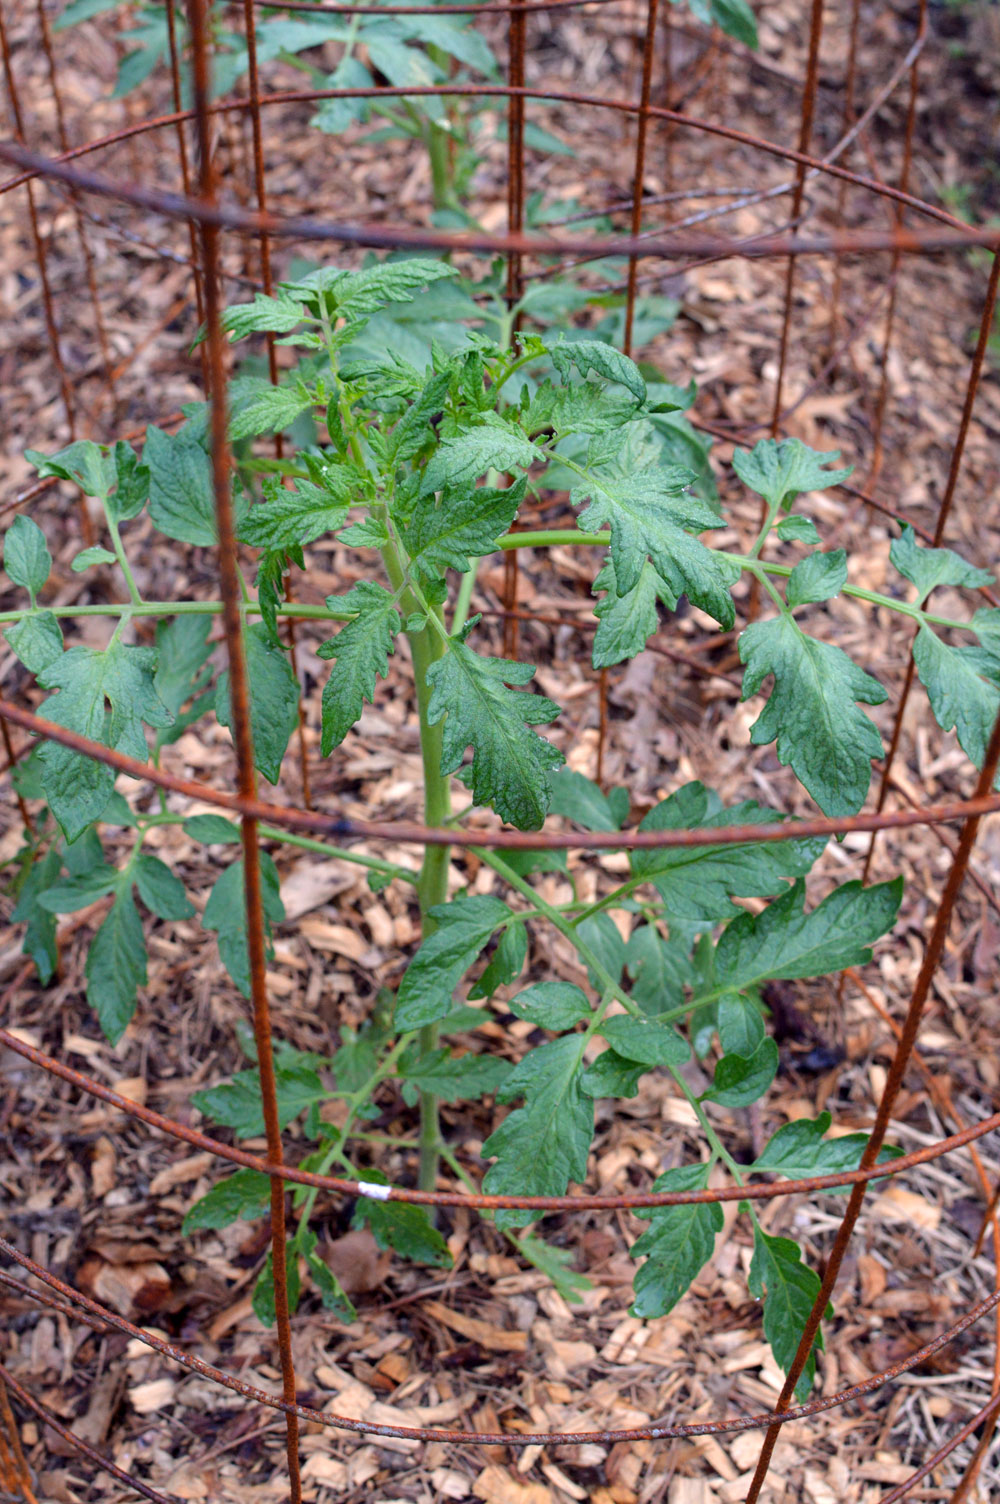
pixel 604 938
pixel 40 934
pixel 736 19
pixel 84 463
pixel 555 1264
pixel 116 967
pixel 818 577
pixel 160 890
pixel 645 1039
pixel 290 517
pixel 132 489
pixel 740 1080
pixel 237 1104
pixel 799 1150
pixel 79 892
pixel 447 533
pixel 505 963
pixel 404 1228
pixel 182 671
pixel 455 1078
pixel 543 1145
pixel 274 700
pixel 263 1291
pixel 611 1075
pixel 626 622
pixel 360 652
pixel 552 1005
pixel 493 445
pixel 740 1024
pixel 930 567
pixel 579 799
pixel 698 882
pixel 592 355
pixel 511 764
pixel 91 556
pixel 212 830
pixel 269 409
pixel 242 1196
pixel 331 1292
pixel 356 293
pixel 226 913
pixel 462 929
pixel 786 942
pixel 677 1244
pixel 660 969
pixel 278 315
pixel 820 731
pixel 797 530
pixel 26 557
pixel 181 493
pixel 792 1288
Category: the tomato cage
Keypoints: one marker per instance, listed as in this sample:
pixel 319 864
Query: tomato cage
pixel 677 196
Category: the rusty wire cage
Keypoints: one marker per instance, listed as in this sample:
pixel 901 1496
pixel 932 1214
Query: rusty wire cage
pixel 214 215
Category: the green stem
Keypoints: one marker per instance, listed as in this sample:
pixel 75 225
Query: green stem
pixel 116 543
pixel 463 600
pixel 174 608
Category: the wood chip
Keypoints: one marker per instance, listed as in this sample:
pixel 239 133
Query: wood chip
pixel 494 1338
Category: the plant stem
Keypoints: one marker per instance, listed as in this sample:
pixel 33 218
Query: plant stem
pixel 120 555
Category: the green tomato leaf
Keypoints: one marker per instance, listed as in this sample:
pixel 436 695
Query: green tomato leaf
pixel 505 963
pixel 288 518
pixel 77 788
pixel 818 577
pixel 543 1145
pixel 40 932
pixel 799 1150
pixel 677 1244
pixel 26 557
pixel 274 700
pixel 785 942
pixel 821 733
pixel 660 969
pixel 263 1291
pixel 226 913
pixel 797 530
pixel 593 355
pixel 360 652
pixel 264 408
pixel 116 966
pixel 160 890
pixel 242 1196
pixel 740 1080
pixel 493 445
pixel 454 1078
pixel 406 1229
pixel 604 938
pixel 552 1005
pixel 736 19
pixel 79 891
pixel 448 533
pixel 211 830
pixel 511 764
pixel 88 557
pixel 555 1265
pixel 792 1288
pixel 461 931
pixel 37 640
pixel 698 883
pixel 331 1291
pixel 959 697
pixel 651 513
pixel 627 621
pixel 236 1103
pixel 181 491
pixel 579 799
pixel 84 463
pixel 740 1024
pixel 645 1039
pixel 611 1075
pixel 278 315
pixel 781 469
pixel 930 567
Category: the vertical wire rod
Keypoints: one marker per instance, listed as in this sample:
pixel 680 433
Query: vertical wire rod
pixel 242 731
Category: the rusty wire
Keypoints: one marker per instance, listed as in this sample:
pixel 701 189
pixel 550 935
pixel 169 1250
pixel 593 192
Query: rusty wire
pixel 206 218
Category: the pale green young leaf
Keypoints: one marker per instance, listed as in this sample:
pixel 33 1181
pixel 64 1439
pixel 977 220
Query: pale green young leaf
pixel 552 1005
pixel 626 622
pixel 604 938
pixel 212 830
pixel 116 966
pixel 448 533
pixel 358 293
pixel 959 697
pixel 181 492
pixel 274 700
pixel 37 640
pixel 360 652
pixel 242 1196
pixel 26 557
pixel 797 530
pixel 84 463
pixel 799 1150
pixel 78 788
pixel 820 732
pixel 791 1291
pixel 928 568
pixel 454 1078
pixel 89 557
pixel 404 1228
pixel 593 355
pixel 226 913
pixel 511 764
pixel 132 483
pixel 786 942
pixel 781 469
pixel 182 671
pixel 677 1244
pixel 742 1079
pixel 542 1146
pixel 699 882
pixel 461 931
pixel 160 889
pixel 579 799
pixel 276 315
pixel 268 409
pixel 651 513
pixel 493 445
pixel 818 577
pixel 555 1263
